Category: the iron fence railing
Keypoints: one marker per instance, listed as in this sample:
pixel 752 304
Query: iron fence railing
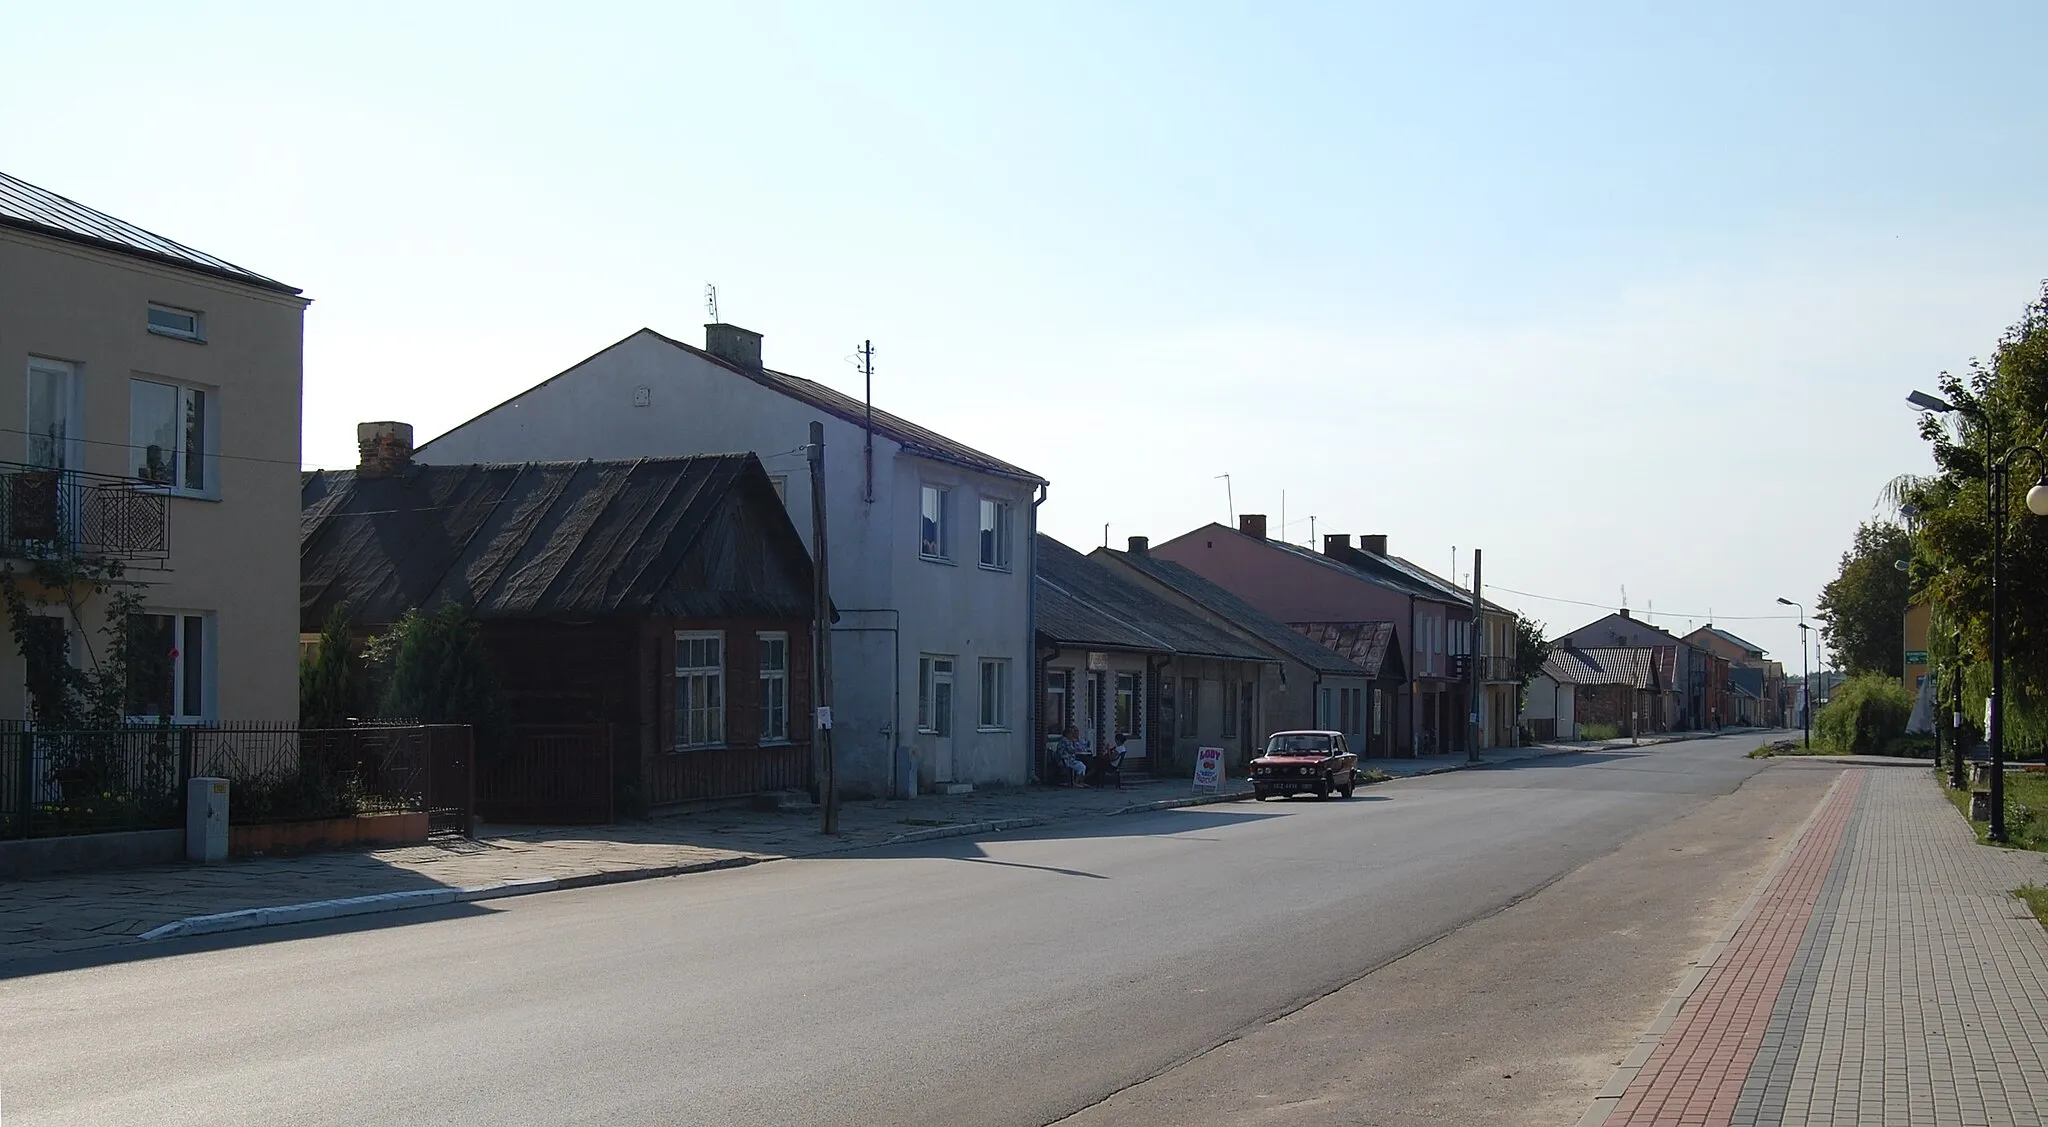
pixel 57 783
pixel 53 512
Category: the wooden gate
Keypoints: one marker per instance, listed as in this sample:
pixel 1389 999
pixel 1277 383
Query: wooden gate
pixel 553 774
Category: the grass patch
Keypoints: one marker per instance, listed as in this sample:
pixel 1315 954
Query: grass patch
pixel 1793 747
pixel 1371 775
pixel 2036 898
pixel 2026 811
pixel 1599 731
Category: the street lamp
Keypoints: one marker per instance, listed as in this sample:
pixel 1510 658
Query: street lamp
pixel 1955 731
pixel 1806 690
pixel 2037 504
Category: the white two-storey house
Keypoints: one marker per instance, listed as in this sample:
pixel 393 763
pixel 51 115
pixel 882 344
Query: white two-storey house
pixel 929 541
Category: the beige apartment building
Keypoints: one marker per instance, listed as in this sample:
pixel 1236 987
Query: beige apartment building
pixel 153 421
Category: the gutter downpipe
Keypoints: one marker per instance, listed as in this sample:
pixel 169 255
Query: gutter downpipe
pixel 896 705
pixel 1031 754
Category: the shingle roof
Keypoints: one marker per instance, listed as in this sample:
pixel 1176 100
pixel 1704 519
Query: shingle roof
pixel 700 537
pixel 903 432
pixel 1083 602
pixel 27 207
pixel 1366 644
pixel 1603 665
pixel 1242 614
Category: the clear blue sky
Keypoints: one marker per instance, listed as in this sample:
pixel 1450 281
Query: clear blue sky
pixel 1624 294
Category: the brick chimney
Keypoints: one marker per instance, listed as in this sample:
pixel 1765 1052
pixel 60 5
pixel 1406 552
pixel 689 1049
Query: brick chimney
pixel 1252 524
pixel 1376 543
pixel 1625 613
pixel 733 345
pixel 1140 545
pixel 383 449
pixel 1337 544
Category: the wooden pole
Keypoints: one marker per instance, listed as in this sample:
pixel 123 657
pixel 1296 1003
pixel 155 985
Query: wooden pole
pixel 821 639
pixel 1473 652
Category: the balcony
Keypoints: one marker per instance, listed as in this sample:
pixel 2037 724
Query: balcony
pixel 51 514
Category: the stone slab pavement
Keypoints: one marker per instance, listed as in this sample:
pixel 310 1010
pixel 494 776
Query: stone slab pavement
pixel 1883 973
pixel 83 912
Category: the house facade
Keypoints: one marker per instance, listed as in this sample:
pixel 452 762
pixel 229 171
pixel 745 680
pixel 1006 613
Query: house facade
pixel 1343 686
pixel 154 425
pixel 1681 668
pixel 1621 687
pixel 1549 711
pixel 1744 677
pixel 1116 658
pixel 660 608
pixel 929 541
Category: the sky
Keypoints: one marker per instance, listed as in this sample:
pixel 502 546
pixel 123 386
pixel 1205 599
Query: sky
pixel 1628 296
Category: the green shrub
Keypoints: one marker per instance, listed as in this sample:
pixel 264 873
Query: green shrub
pixel 1598 731
pixel 440 673
pixel 1865 715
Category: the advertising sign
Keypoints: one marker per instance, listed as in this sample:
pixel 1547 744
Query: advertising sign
pixel 1209 769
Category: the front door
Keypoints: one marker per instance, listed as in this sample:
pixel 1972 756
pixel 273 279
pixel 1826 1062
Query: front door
pixel 942 719
pixel 1090 721
pixel 1247 718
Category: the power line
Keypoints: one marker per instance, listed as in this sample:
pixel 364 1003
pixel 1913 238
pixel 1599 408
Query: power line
pixel 1667 614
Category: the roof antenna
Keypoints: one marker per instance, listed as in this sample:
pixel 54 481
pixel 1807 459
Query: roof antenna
pixel 1231 497
pixel 1105 534
pixel 711 301
pixel 1624 596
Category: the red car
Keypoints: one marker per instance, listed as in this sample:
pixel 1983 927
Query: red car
pixel 1305 762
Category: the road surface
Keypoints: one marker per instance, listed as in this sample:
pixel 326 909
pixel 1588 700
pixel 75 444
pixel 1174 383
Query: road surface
pixel 1014 980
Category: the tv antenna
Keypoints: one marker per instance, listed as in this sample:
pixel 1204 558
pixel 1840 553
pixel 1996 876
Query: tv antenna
pixel 711 301
pixel 1228 496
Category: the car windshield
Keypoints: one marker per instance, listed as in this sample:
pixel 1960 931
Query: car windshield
pixel 1298 745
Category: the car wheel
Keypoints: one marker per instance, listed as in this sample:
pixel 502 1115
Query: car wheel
pixel 1323 788
pixel 1261 795
pixel 1350 785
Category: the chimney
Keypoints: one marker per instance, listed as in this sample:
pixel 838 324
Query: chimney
pixel 733 345
pixel 1140 545
pixel 1252 524
pixel 1337 544
pixel 1625 613
pixel 383 448
pixel 1375 543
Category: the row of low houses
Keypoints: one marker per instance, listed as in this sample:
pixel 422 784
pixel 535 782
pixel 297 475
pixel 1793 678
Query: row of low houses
pixel 635 537
pixel 1625 674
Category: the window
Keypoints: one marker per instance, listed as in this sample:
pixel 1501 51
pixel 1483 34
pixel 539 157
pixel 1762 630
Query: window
pixel 935 695
pixel 781 483
pixel 934 537
pixel 1324 716
pixel 1230 708
pixel 169 666
pixel 995 694
pixel 170 321
pixel 50 391
pixel 1351 706
pixel 774 688
pixel 700 689
pixel 1127 704
pixel 1190 706
pixel 1379 709
pixel 46 649
pixel 995 534
pixel 169 435
pixel 1056 689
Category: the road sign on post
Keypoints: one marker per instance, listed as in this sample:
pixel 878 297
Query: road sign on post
pixel 1209 769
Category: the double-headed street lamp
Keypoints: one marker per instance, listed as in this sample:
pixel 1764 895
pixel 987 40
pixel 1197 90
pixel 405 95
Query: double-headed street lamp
pixel 1806 687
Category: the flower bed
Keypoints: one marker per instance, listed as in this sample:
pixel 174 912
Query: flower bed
pixel 361 831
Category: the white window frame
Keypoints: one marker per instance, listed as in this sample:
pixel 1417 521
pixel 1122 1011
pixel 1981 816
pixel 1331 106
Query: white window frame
pixel 209 665
pixel 196 334
pixel 943 551
pixel 1135 727
pixel 1004 520
pixel 774 719
pixel 994 693
pixel 929 677
pixel 694 675
pixel 181 455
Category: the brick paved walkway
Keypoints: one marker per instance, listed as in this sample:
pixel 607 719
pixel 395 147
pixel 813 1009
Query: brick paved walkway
pixel 1884 975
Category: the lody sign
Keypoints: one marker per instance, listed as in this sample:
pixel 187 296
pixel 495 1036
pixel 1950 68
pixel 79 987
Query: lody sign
pixel 1209 769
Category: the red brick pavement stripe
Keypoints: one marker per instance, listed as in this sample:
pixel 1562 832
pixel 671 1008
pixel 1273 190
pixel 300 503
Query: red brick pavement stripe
pixel 1696 1073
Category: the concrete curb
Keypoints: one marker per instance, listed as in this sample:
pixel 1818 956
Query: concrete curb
pixel 1605 1101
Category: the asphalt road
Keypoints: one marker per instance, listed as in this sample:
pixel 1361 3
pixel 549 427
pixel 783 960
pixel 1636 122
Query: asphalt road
pixel 1015 980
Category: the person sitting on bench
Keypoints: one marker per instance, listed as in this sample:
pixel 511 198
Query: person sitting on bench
pixel 1111 762
pixel 1074 755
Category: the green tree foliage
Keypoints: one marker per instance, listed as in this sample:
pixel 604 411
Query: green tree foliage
pixel 440 674
pixel 1865 715
pixel 1531 647
pixel 2001 405
pixel 331 683
pixel 91 693
pixel 1863 610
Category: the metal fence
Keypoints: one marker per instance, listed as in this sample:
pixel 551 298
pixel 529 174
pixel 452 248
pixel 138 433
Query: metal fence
pixel 553 774
pixel 56 783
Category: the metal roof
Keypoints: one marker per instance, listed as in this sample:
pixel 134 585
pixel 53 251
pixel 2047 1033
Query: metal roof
pixel 903 432
pixel 1367 644
pixel 1236 611
pixel 1635 666
pixel 699 537
pixel 1083 602
pixel 1731 639
pixel 27 207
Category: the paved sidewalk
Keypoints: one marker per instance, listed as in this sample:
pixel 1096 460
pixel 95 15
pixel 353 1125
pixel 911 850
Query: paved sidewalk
pixel 1882 974
pixel 83 912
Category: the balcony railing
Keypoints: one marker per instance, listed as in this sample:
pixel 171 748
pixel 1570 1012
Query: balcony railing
pixel 47 513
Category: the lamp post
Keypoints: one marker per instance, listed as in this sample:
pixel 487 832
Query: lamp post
pixel 2037 504
pixel 1806 686
pixel 1955 732
pixel 1922 401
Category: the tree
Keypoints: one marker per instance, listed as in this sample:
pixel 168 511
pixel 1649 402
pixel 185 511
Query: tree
pixel 1530 649
pixel 330 684
pixel 1862 611
pixel 441 674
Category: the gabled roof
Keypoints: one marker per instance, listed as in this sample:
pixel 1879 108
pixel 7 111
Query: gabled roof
pixel 1636 628
pixel 1436 586
pixel 1085 603
pixel 1366 644
pixel 1635 666
pixel 25 207
pixel 700 537
pixel 1236 611
pixel 1746 646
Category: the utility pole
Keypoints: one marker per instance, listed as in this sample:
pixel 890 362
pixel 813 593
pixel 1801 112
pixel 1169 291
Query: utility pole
pixel 821 637
pixel 1476 648
pixel 1955 732
pixel 867 371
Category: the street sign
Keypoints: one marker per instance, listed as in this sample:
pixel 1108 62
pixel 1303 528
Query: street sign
pixel 1916 657
pixel 1209 769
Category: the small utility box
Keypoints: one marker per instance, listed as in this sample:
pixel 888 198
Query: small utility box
pixel 206 820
